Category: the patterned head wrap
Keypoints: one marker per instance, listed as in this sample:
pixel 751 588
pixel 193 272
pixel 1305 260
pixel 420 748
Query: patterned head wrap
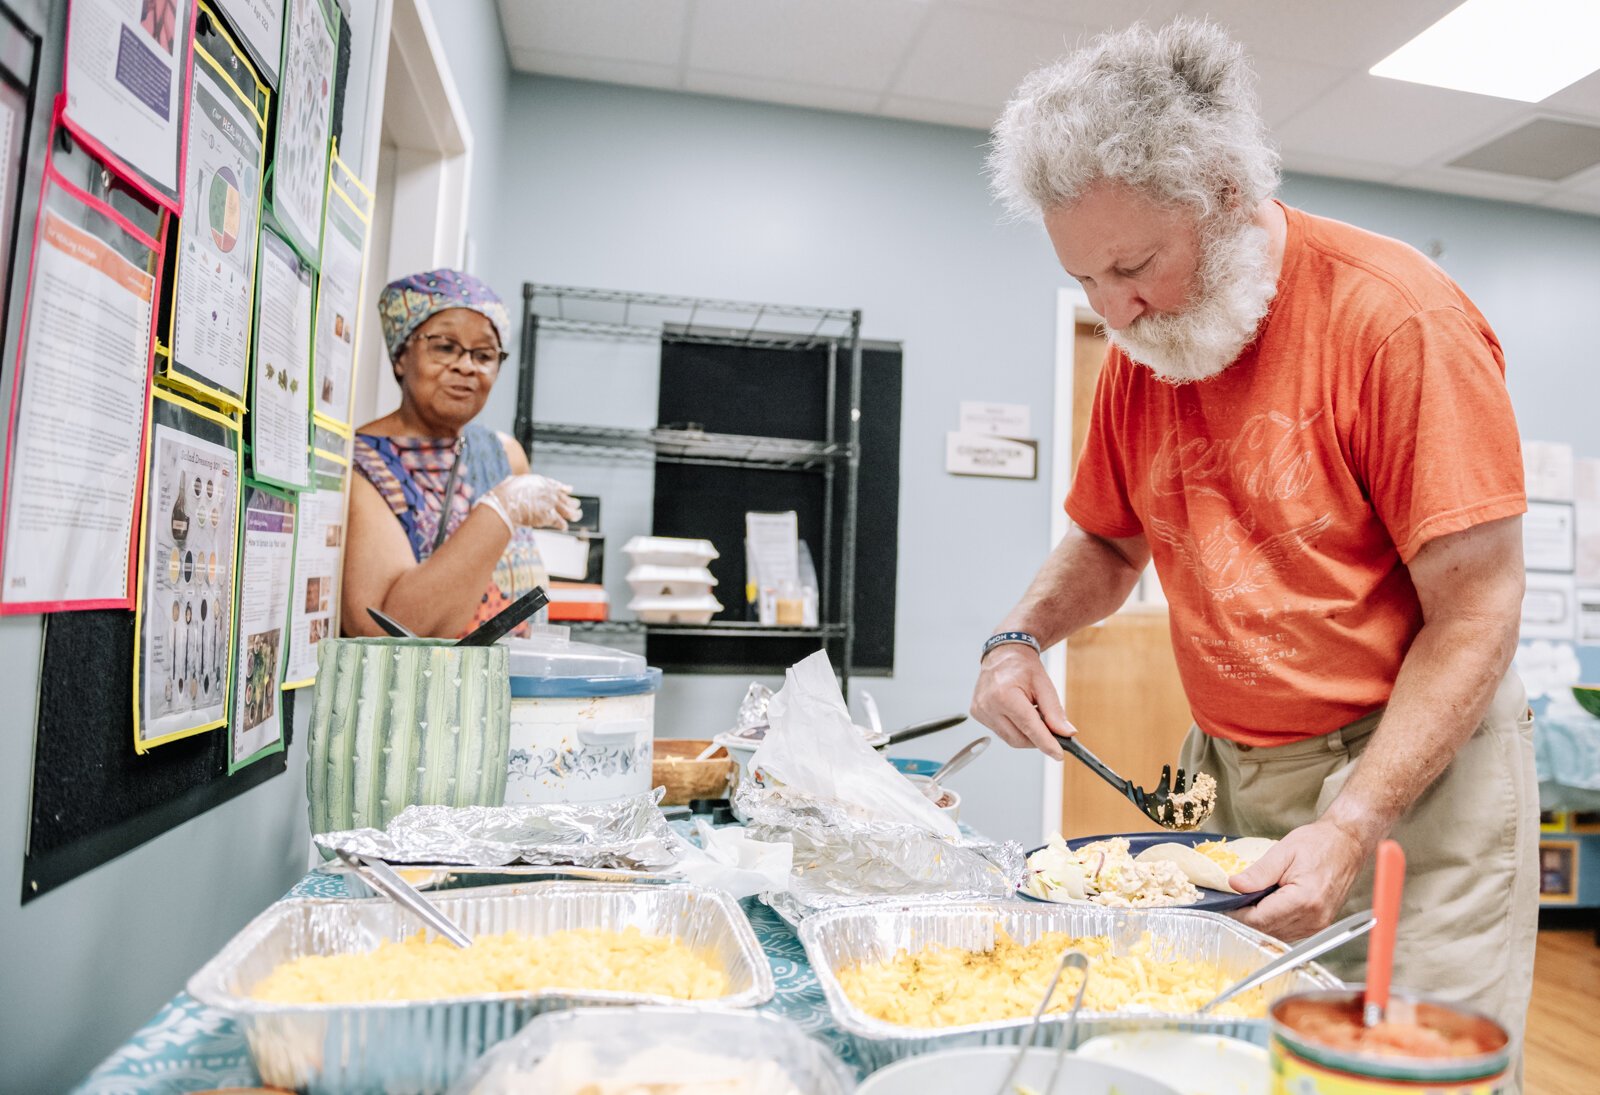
pixel 406 304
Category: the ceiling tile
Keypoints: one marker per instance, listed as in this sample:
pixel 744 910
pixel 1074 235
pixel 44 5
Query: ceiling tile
pixel 593 68
pixel 625 30
pixel 840 43
pixel 779 91
pixel 1581 98
pixel 1574 203
pixel 1388 121
pixel 979 57
pixel 1287 87
pixel 929 110
pixel 1475 184
pixel 1088 13
pixel 1353 33
pixel 1318 163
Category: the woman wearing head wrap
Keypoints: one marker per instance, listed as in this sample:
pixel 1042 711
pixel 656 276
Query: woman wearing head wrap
pixel 441 512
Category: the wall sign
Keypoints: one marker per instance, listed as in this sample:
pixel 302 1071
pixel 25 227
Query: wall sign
pixel 996 457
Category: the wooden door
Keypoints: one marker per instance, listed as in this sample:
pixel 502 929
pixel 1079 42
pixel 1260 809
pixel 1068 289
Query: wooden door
pixel 1122 687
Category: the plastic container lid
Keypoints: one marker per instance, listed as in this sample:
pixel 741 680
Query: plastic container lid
pixel 664 548
pixel 658 575
pixel 550 666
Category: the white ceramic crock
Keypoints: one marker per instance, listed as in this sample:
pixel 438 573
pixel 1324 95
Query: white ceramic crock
pixel 582 722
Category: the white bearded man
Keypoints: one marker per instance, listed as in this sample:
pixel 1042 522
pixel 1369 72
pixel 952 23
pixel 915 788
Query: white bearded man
pixel 1306 427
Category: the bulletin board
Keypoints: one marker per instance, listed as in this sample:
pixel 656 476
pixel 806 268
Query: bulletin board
pixel 106 776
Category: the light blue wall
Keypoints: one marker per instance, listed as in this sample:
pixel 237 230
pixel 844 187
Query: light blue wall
pixel 475 50
pixel 634 189
pixel 1534 273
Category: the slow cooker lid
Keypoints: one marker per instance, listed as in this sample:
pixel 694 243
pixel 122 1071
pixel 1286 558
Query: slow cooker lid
pixel 547 665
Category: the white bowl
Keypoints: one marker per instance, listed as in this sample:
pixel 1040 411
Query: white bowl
pixel 953 803
pixel 979 1070
pixel 1195 1064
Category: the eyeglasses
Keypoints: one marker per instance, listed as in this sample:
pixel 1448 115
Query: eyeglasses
pixel 443 350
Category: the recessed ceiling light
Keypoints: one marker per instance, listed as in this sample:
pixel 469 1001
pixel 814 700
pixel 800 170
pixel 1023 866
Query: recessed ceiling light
pixel 1513 49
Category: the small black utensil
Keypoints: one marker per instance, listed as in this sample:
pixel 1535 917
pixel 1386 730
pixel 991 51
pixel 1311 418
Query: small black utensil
pixel 506 619
pixel 921 729
pixel 1157 805
pixel 390 625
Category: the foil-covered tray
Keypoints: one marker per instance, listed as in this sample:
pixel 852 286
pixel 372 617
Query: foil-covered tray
pixel 419 1046
pixel 629 833
pixel 611 1041
pixel 843 937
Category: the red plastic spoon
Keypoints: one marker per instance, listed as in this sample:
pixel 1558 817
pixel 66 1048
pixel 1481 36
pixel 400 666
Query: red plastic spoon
pixel 1386 886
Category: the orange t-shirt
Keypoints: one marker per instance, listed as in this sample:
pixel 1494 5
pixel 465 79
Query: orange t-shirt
pixel 1282 498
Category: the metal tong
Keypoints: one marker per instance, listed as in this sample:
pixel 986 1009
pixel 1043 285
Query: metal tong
pixel 1156 805
pixel 1077 961
pixel 1335 935
pixel 383 878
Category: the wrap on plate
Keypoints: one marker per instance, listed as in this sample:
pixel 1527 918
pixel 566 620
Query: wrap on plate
pixel 1212 862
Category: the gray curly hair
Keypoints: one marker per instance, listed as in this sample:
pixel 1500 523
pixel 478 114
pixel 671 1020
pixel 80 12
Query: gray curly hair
pixel 1171 112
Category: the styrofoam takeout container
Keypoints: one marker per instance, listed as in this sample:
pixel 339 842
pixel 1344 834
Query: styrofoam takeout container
pixel 843 937
pixel 669 551
pixel 405 1046
pixel 675 610
pixel 658 581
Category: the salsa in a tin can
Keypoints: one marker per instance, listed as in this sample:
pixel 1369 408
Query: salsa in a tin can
pixel 1320 1046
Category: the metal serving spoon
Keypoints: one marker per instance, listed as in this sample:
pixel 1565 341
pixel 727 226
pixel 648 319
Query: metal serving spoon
pixel 964 756
pixel 1335 935
pixel 1077 961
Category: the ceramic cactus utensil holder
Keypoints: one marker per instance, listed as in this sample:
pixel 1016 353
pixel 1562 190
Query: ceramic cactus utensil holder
pixel 402 722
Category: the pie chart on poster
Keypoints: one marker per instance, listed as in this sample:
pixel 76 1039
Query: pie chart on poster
pixel 222 209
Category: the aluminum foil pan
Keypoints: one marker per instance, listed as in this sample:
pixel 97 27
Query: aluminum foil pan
pixel 420 1046
pixel 628 833
pixel 847 936
pixel 616 1038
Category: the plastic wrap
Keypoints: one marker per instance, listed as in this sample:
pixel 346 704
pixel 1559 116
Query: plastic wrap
pixel 843 859
pixel 658 1046
pixel 417 1046
pixel 628 833
pixel 847 936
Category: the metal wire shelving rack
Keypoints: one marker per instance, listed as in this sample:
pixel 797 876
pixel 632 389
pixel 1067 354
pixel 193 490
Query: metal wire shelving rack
pixel 553 312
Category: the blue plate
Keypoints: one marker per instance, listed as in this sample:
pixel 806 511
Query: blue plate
pixel 914 766
pixel 1210 900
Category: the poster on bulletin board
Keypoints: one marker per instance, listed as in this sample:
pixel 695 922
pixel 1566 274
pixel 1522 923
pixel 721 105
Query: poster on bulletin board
pixel 188 545
pixel 217 233
pixel 76 449
pixel 280 399
pixel 260 25
pixel 305 122
pixel 344 244
pixel 266 572
pixel 126 87
pixel 314 598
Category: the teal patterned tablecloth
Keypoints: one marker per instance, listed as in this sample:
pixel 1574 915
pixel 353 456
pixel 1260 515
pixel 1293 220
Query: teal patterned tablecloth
pixel 190 1047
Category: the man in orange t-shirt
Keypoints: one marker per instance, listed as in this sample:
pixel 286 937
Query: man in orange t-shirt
pixel 1306 427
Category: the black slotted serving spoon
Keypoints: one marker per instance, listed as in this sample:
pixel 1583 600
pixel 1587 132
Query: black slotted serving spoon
pixel 1157 805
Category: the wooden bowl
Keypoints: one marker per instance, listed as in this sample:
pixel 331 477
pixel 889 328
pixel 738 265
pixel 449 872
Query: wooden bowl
pixel 685 778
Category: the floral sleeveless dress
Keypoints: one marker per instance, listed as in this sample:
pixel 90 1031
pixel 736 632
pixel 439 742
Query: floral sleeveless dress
pixel 412 474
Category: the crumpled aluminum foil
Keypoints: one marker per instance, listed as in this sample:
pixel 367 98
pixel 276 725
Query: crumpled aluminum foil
pixel 842 859
pixel 629 833
pixel 753 708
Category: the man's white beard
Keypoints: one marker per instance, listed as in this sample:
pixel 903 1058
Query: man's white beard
pixel 1233 289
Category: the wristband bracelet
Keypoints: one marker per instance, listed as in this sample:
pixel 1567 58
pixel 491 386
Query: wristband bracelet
pixel 1009 637
pixel 495 504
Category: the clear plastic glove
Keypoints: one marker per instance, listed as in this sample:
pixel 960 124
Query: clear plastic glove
pixel 532 501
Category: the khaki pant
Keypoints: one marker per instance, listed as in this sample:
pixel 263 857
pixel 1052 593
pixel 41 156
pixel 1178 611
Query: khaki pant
pixel 1469 915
